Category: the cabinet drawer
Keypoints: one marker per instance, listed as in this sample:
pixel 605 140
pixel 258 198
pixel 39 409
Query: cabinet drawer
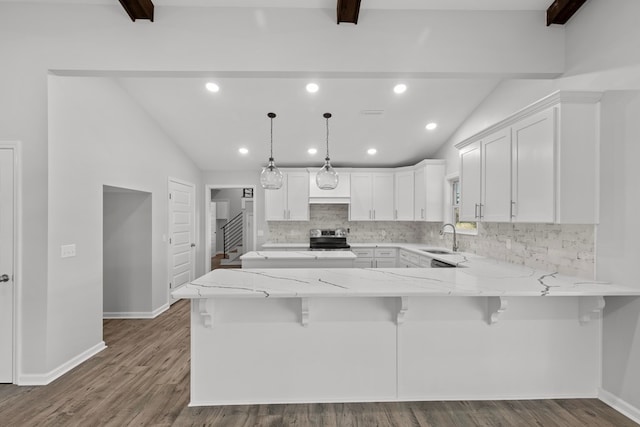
pixel 363 252
pixel 385 252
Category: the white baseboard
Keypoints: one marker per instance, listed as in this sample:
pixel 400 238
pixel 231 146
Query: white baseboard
pixel 44 379
pixel 135 314
pixel 620 405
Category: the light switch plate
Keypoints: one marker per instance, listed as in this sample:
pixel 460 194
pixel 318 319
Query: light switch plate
pixel 67 251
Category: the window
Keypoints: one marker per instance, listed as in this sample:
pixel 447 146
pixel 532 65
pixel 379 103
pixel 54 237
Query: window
pixel 468 227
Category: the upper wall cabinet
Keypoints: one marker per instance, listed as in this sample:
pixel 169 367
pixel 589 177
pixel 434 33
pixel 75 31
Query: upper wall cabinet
pixel 539 165
pixel 372 196
pixel 291 201
pixel 404 195
pixel 429 191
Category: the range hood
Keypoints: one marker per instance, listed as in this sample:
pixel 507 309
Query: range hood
pixel 339 195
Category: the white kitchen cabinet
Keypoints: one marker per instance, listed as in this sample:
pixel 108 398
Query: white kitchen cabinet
pixel 429 191
pixel 533 177
pixel 375 257
pixel 407 259
pixel 291 201
pixel 365 257
pixel 470 182
pixel 404 195
pixel 539 165
pixel 496 177
pixel 385 257
pixel 371 196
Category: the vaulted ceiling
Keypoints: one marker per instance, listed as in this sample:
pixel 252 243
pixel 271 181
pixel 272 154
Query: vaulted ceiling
pixel 211 126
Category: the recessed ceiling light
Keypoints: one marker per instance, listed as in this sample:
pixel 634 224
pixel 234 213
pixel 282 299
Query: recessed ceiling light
pixel 212 87
pixel 431 126
pixel 312 88
pixel 400 88
pixel 312 151
pixel 243 150
pixel 371 151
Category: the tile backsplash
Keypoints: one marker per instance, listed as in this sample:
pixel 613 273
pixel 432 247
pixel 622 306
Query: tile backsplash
pixel 334 216
pixel 563 248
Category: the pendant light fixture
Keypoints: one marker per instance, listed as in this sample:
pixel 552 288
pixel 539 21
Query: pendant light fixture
pixel 327 177
pixel 271 177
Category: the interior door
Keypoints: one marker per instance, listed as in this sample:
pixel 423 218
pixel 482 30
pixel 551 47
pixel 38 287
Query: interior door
pixel 181 233
pixel 6 265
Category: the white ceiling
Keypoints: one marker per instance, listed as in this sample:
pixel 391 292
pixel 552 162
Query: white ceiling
pixel 210 127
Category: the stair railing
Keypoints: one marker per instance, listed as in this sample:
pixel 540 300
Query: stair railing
pixel 232 233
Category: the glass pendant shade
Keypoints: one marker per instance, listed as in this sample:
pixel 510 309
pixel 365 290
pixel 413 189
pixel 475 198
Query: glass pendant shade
pixel 327 177
pixel 271 177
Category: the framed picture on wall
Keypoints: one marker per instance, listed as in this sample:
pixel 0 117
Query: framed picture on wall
pixel 247 193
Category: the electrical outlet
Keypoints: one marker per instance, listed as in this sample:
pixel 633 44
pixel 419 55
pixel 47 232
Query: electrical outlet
pixel 67 251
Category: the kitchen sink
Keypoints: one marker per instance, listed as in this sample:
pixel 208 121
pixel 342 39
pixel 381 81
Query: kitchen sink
pixel 435 251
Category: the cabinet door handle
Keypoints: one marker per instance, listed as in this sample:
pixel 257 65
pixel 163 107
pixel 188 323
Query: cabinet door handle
pixel 481 205
pixel 476 211
pixel 513 209
pixel 422 213
pixel 374 214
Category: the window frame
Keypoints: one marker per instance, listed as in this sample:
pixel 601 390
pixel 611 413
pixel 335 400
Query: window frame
pixel 451 180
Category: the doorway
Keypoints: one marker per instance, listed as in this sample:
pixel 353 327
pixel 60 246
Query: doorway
pixel 230 225
pixel 8 244
pixel 126 254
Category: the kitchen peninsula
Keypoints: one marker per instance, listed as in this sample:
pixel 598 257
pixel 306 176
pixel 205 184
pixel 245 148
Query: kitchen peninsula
pixel 488 330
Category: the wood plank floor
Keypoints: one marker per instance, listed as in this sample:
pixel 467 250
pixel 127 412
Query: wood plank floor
pixel 142 379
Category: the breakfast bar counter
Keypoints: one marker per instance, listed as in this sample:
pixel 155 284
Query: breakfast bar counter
pixel 485 331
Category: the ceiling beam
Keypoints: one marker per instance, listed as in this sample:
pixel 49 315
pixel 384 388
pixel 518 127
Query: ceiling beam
pixel 561 10
pixel 138 9
pixel 348 11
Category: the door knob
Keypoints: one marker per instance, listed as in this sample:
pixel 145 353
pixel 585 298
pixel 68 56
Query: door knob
pixel 4 278
pixel 193 245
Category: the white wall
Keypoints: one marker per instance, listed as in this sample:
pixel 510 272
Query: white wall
pixel 127 243
pixel 97 137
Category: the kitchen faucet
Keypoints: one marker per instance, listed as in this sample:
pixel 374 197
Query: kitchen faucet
pixel 455 242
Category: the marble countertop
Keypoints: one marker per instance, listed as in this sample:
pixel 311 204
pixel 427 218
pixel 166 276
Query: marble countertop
pixel 482 277
pixel 455 258
pixel 260 255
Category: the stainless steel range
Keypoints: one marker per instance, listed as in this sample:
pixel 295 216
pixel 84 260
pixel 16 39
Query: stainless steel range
pixel 328 240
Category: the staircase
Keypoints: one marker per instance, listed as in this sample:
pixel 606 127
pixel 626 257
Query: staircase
pixel 232 233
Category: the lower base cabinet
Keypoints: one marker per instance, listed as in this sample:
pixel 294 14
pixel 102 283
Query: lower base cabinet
pixel 375 257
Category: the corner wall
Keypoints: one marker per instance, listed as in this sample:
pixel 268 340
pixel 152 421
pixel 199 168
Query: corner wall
pixel 98 136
